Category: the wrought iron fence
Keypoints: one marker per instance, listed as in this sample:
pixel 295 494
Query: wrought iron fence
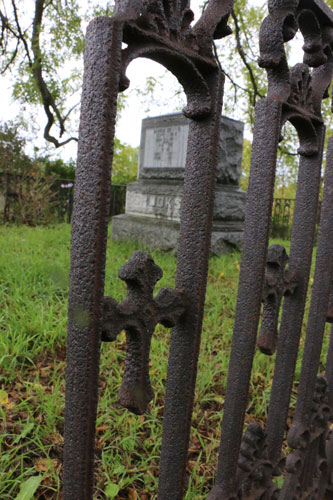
pixel 66 191
pixel 14 185
pixel 283 216
pixel 9 192
pixel 249 462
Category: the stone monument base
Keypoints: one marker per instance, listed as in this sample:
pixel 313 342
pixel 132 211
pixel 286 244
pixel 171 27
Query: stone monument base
pixel 163 234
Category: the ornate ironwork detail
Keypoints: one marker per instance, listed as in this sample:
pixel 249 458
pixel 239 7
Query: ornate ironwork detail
pixel 162 31
pixel 138 314
pixel 285 18
pixel 278 282
pixel 300 92
pixel 306 467
pixel 255 470
pixel 302 110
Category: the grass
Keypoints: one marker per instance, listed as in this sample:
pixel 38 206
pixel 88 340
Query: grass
pixel 33 310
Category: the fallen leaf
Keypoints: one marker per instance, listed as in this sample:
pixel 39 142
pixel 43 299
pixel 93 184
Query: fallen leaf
pixel 102 428
pixel 132 494
pixel 55 438
pixel 3 398
pixel 45 464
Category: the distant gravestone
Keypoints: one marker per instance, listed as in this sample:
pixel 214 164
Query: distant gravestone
pixel 153 203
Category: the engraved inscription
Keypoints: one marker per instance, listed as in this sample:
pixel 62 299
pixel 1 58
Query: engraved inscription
pixel 153 205
pixel 165 147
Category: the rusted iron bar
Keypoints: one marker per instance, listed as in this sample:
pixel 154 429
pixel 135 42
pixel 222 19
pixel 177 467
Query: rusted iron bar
pixel 300 430
pixel 259 209
pixel 191 278
pixel 330 307
pixel 89 234
pixel 329 443
pixel 299 94
pixel 329 368
pixel 302 240
pixel 309 466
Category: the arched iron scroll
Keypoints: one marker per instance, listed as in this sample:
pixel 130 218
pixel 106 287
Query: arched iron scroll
pixel 249 463
pixel 162 31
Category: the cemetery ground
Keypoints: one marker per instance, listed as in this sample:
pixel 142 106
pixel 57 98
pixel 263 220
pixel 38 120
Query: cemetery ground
pixel 33 316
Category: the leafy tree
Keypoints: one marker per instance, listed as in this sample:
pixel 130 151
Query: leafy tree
pixel 42 44
pixel 12 150
pixel 125 164
pixel 26 193
pixel 247 149
pixel 58 168
pixel 37 39
pixel 238 54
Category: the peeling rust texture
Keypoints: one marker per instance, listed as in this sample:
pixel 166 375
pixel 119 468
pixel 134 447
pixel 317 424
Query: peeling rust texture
pixel 318 311
pixel 329 368
pixel 294 95
pixel 330 306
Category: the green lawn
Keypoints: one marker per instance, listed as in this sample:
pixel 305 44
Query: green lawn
pixel 33 285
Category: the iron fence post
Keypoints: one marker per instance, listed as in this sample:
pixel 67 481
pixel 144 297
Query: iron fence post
pixel 191 278
pixel 302 240
pixel 256 232
pixel 89 235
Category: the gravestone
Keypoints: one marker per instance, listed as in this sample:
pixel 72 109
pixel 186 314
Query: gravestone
pixel 153 203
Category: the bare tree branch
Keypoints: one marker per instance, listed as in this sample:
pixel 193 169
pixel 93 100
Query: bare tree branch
pixel 235 84
pixel 70 110
pixel 254 57
pixel 51 109
pixel 11 60
pixel 256 92
pixel 35 61
pixel 19 33
pixel 285 151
